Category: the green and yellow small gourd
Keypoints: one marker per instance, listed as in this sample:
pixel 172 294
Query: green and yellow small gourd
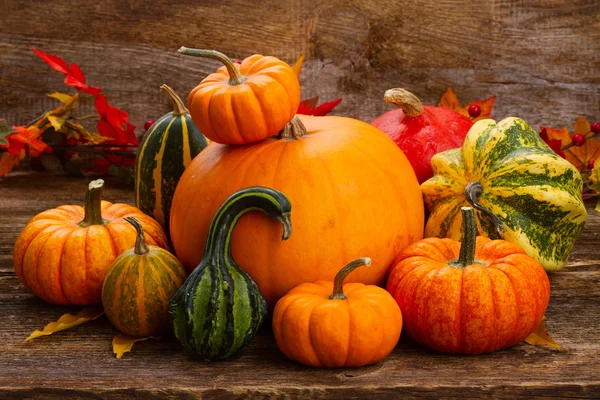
pixel 168 147
pixel 522 190
pixel 219 308
pixel 139 285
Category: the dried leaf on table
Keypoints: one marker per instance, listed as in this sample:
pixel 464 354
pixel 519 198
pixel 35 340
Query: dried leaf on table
pixel 123 343
pixel 450 100
pixel 540 337
pixel 68 321
pixel 579 156
pixel 297 67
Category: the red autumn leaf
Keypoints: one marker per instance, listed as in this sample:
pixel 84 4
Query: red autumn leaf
pixel 74 76
pixel 309 107
pixel 554 144
pixel 7 163
pixel 114 123
pixel 25 139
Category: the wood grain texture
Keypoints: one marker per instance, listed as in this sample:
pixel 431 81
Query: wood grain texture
pixel 78 363
pixel 539 57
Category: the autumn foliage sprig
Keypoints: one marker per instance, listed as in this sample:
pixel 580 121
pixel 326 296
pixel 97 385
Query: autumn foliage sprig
pixel 113 144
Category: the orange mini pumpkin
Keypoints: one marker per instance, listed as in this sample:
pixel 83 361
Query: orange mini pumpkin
pixel 243 103
pixel 63 254
pixel 356 325
pixel 471 298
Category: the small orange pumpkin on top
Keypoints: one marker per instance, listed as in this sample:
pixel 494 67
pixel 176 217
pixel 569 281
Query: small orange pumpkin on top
pixel 244 103
pixel 356 325
pixel 470 298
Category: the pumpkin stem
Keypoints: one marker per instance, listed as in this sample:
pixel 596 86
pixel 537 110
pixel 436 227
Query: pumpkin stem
pixel 466 256
pixel 141 247
pixel 472 192
pixel 293 130
pixel 92 207
pixel 408 102
pixel 338 282
pixel 178 106
pixel 235 77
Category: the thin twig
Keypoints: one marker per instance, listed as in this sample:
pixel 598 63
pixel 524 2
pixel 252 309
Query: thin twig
pixel 85 117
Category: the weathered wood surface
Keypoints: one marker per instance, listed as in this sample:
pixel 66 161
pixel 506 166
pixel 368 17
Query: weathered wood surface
pixel 78 363
pixel 540 57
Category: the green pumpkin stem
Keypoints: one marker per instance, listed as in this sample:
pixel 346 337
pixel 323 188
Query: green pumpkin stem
pixel 293 130
pixel 472 192
pixel 179 107
pixel 141 247
pixel 269 201
pixel 92 207
pixel 466 256
pixel 338 282
pixel 235 77
pixel 408 102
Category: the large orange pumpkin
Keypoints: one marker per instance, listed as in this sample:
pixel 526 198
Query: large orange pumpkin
pixel 244 103
pixel 472 297
pixel 352 190
pixel 63 254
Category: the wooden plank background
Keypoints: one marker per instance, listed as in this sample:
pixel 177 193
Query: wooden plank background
pixel 541 58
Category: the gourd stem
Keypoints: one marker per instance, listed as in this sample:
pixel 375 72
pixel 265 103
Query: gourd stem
pixel 338 282
pixel 178 106
pixel 235 77
pixel 467 247
pixel 408 102
pixel 293 130
pixel 472 192
pixel 269 201
pixel 141 247
pixel 92 207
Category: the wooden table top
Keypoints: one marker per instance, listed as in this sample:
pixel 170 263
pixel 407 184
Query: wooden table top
pixel 78 363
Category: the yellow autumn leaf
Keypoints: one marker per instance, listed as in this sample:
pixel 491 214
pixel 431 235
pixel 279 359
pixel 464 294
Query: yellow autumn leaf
pixel 450 100
pixel 62 97
pixel 579 156
pixel 297 67
pixel 68 321
pixel 540 337
pixel 123 343
pixel 57 122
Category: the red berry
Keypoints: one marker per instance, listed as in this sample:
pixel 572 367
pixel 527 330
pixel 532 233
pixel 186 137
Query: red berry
pixel 578 139
pixel 474 110
pixel 596 127
pixel 590 164
pixel 148 124
pixel 71 141
pixel 49 150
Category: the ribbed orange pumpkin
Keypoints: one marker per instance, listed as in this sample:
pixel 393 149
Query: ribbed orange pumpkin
pixel 244 103
pixel 473 298
pixel 63 254
pixel 139 285
pixel 327 324
pixel 352 190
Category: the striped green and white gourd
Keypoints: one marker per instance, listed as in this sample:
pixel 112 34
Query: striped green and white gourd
pixel 219 308
pixel 522 190
pixel 168 147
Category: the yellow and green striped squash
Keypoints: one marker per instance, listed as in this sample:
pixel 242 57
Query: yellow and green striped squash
pixel 166 149
pixel 523 192
pixel 139 285
pixel 219 308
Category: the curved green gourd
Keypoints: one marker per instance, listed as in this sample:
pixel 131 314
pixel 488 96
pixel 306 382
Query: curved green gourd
pixel 219 308
pixel 168 147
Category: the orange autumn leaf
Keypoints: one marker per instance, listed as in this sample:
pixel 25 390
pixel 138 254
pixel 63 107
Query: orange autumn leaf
pixel 123 343
pixel 579 156
pixel 7 163
pixel 297 67
pixel 450 100
pixel 540 337
pixel 68 321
